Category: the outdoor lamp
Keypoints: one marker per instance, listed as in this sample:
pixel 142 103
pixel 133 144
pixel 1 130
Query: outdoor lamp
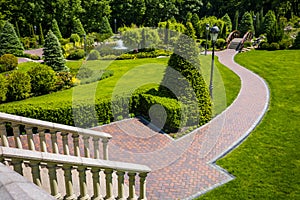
pixel 214 31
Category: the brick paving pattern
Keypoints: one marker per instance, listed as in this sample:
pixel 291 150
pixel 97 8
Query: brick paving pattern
pixel 184 168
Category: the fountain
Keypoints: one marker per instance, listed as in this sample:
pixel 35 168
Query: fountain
pixel 120 45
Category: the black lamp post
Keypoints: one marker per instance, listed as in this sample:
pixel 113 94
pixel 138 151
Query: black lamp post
pixel 214 31
pixel 207 30
pixel 115 21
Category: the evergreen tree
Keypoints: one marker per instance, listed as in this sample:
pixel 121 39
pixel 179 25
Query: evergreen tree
pixel 55 29
pixel 189 17
pixel 269 24
pixel 77 27
pixel 246 23
pixel 53 53
pixel 41 37
pixel 227 22
pixel 105 29
pixel 195 21
pixel 236 20
pixel 9 41
pixel 194 94
pixel 190 31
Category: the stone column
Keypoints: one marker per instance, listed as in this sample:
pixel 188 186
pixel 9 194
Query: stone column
pixel 35 171
pixel 17 163
pixel 3 135
pixel 86 146
pixel 29 133
pixel 43 145
pixel 68 183
pixel 76 144
pixel 54 142
pixel 109 185
pixel 131 186
pixel 96 147
pixel 105 148
pixel 96 184
pixel 143 186
pixel 82 183
pixel 121 185
pixel 65 143
pixel 53 180
pixel 16 130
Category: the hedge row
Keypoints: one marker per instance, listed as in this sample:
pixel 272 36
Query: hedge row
pixel 105 111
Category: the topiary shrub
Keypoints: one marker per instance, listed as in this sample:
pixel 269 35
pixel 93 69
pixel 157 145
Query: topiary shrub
pixel 8 62
pixel 42 79
pixel 94 55
pixel 264 46
pixel 19 86
pixel 76 54
pixel 285 44
pixel 3 88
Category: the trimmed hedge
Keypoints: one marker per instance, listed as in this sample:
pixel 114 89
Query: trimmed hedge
pixel 8 62
pixel 107 110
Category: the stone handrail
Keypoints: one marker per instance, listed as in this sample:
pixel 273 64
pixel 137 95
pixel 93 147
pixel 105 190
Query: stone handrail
pixel 32 127
pixel 52 161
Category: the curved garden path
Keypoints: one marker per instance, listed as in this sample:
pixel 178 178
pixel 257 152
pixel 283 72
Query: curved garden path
pixel 185 168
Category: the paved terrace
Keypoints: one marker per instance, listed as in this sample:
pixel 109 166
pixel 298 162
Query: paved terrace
pixel 185 168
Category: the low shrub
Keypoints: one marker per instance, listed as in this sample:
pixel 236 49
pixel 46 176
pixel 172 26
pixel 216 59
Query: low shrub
pixel 64 41
pixel 94 55
pixel 42 79
pixel 97 76
pixel 247 44
pixel 3 88
pixel 64 81
pixel 31 56
pixel 264 46
pixel 109 57
pixel 8 62
pixel 19 86
pixel 75 38
pixel 84 72
pixel 220 43
pixel 274 46
pixel 285 44
pixel 76 54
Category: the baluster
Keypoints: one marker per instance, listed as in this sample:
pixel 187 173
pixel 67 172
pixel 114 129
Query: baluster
pixel 96 147
pixel 17 163
pixel 68 183
pixel 121 185
pixel 82 183
pixel 131 186
pixel 16 130
pixel 75 137
pixel 3 135
pixel 96 184
pixel 109 184
pixel 54 142
pixel 65 143
pixel 143 186
pixel 105 148
pixel 86 146
pixel 43 145
pixel 53 180
pixel 35 172
pixel 30 141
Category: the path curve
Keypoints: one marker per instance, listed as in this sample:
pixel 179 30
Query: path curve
pixel 185 168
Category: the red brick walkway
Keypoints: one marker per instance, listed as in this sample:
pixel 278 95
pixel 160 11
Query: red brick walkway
pixel 184 168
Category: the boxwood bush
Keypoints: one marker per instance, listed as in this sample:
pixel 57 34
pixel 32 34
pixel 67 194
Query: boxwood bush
pixel 19 86
pixel 8 62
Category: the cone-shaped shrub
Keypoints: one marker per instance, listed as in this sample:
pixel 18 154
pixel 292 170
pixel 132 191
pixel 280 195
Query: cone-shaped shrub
pixel 77 27
pixel 53 55
pixel 9 41
pixel 55 29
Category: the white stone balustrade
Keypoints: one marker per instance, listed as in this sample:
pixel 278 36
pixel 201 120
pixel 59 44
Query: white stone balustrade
pixel 52 161
pixel 54 130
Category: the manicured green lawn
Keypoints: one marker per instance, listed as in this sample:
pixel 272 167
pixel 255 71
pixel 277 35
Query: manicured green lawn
pixel 267 164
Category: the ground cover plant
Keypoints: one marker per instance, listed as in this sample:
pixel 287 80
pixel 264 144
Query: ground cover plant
pixel 267 164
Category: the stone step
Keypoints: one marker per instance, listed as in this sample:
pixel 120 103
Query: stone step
pixel 234 43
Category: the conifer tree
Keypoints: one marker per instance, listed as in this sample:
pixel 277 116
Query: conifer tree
pixel 53 53
pixel 77 27
pixel 9 41
pixel 190 31
pixel 228 23
pixel 55 29
pixel 41 36
pixel 195 21
pixel 185 60
pixel 246 23
pixel 105 27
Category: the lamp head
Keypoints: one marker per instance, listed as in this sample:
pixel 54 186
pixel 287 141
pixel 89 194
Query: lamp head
pixel 214 31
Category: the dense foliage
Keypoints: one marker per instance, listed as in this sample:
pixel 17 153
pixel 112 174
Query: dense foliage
pixel 18 84
pixel 8 62
pixel 9 41
pixel 42 79
pixel 3 88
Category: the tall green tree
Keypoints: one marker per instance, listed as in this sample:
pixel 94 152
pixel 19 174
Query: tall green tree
pixel 190 31
pixel 269 22
pixel 227 22
pixel 77 27
pixel 55 29
pixel 236 20
pixel 195 21
pixel 246 23
pixel 9 41
pixel 53 55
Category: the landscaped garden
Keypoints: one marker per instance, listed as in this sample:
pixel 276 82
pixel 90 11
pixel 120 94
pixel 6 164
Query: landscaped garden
pixel 266 165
